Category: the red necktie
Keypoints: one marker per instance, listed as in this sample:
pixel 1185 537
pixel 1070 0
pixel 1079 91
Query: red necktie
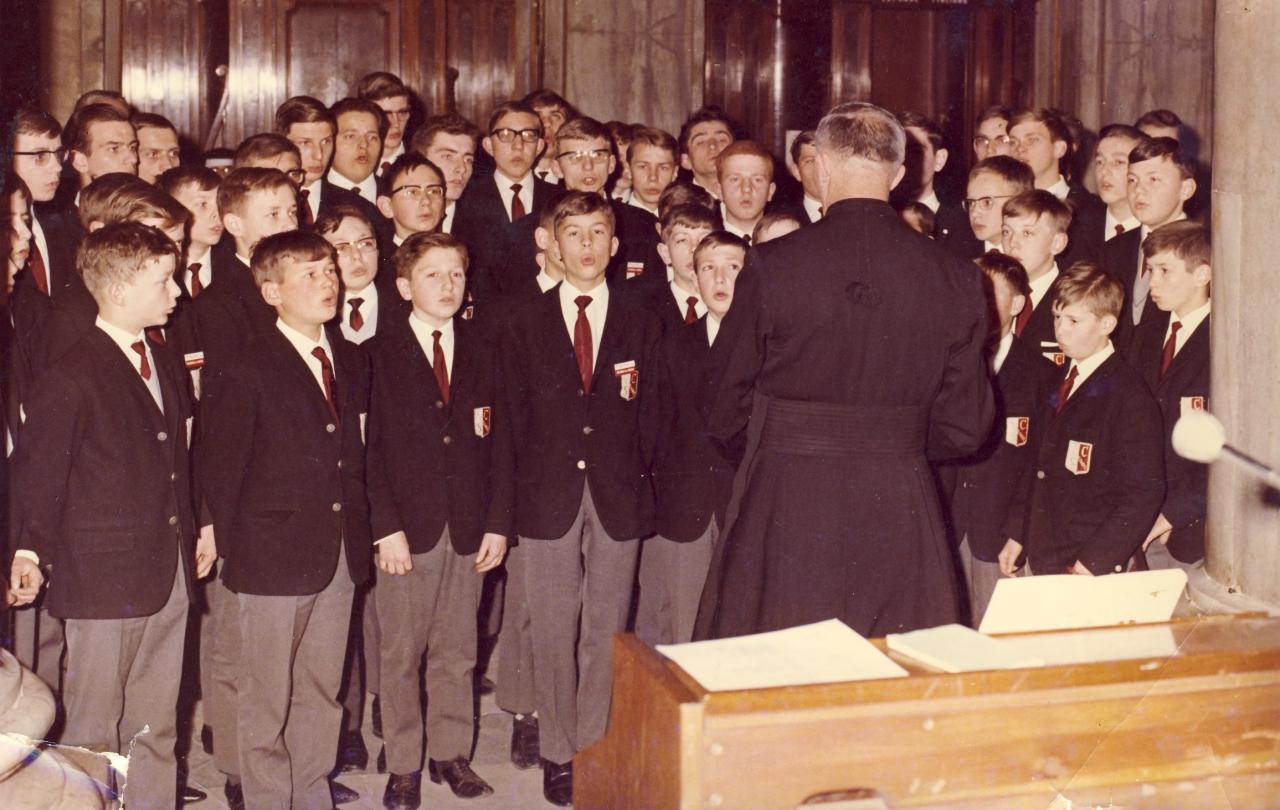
pixel 1119 229
pixel 582 343
pixel 308 216
pixel 691 310
pixel 197 286
pixel 356 320
pixel 35 263
pixel 517 207
pixel 144 367
pixel 1023 317
pixel 1166 355
pixel 439 367
pixel 386 165
pixel 156 334
pixel 326 379
pixel 1064 390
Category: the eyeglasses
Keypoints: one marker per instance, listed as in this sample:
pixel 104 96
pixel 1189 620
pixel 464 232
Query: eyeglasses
pixel 983 204
pixel 44 156
pixel 349 250
pixel 584 155
pixel 297 176
pixel 982 141
pixel 418 192
pixel 507 135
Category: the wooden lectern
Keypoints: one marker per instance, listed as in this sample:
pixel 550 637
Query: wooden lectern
pixel 1199 728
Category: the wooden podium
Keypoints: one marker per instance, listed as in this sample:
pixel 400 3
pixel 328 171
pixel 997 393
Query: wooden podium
pixel 1199 728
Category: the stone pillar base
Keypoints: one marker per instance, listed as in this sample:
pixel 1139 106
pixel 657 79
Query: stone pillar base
pixel 1213 597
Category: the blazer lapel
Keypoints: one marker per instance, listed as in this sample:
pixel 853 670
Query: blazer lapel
pixel 614 325
pixel 288 358
pixel 1195 348
pixel 120 365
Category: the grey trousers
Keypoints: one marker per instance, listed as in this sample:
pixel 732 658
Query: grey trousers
pixel 980 578
pixel 671 579
pixel 38 642
pixel 121 693
pixel 515 690
pixel 288 675
pixel 220 648
pixel 360 672
pixel 1159 559
pixel 431 610
pixel 579 591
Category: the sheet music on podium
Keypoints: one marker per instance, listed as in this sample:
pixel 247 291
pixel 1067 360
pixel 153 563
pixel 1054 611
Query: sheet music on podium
pixel 823 652
pixel 1068 601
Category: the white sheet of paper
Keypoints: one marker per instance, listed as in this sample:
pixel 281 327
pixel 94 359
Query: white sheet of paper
pixel 823 652
pixel 1103 644
pixel 1067 601
pixel 956 648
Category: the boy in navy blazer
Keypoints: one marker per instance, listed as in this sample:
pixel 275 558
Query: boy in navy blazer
pixel 577 423
pixel 102 467
pixel 281 464
pixel 1097 483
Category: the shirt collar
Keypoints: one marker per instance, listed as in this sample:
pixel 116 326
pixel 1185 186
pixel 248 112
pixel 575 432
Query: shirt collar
pixel 369 295
pixel 304 345
pixel 1147 229
pixel 931 201
pixel 638 203
pixel 504 183
pixel 1002 352
pixel 682 298
pixel 120 337
pixel 1128 224
pixel 599 295
pixel 1060 189
pixel 813 208
pixel 422 330
pixel 367 188
pixel 545 281
pixel 713 327
pixel 1194 318
pixel 1086 367
pixel 1041 285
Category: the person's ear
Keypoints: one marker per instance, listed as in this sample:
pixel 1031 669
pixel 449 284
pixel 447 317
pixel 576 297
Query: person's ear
pixel 684 162
pixel 1059 149
pixel 664 253
pixel 1058 244
pixel 384 206
pixel 487 143
pixel 556 170
pixel 116 293
pixel 1016 304
pixel 79 162
pixel 1108 323
pixel 271 293
pixel 233 224
pixel 613 247
pixel 1202 275
pixel 939 160
pixel 773 187
pixel 1187 189
pixel 405 289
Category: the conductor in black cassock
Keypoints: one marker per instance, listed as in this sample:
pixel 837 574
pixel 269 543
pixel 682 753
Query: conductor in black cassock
pixel 859 343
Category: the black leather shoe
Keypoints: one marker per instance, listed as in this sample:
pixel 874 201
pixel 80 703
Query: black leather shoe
pixel 524 742
pixel 463 781
pixel 404 791
pixel 341 793
pixel 557 783
pixel 235 796
pixel 352 755
pixel 190 794
pixel 375 719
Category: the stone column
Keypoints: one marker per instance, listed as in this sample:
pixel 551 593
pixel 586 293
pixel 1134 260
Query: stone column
pixel 1244 517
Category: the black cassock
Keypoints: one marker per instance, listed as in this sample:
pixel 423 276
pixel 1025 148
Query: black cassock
pixel 854 348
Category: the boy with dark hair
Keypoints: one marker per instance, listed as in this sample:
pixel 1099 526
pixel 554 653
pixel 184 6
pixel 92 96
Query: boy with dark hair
pixel 804 168
pixel 991 183
pixel 270 150
pixel 744 177
pixel 679 302
pixel 395 100
pixel 991 133
pixel 1110 174
pixel 703 135
pixel 360 127
pixel 949 217
pixel 982 486
pixel 1034 232
pixel 450 142
pixel 1171 351
pixel 309 125
pixel 412 196
pixel 1160 124
pixel 692 480
pixel 113 514
pixel 158 149
pixel 1160 182
pixel 553 111
pixel 438 515
pixel 576 441
pixel 774 225
pixel 196 188
pixel 681 192
pixel 100 140
pixel 281 462
pixel 1097 482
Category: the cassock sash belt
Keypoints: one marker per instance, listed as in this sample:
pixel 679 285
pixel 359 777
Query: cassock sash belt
pixel 827 429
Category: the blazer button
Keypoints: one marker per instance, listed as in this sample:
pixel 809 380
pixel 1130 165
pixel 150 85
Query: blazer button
pixel 329 428
pixel 586 430
pixel 339 464
pixel 1040 474
pixel 448 440
pixel 337 507
pixel 173 520
pixel 162 436
pixel 439 404
pixel 582 465
pixel 1119 569
pixel 173 476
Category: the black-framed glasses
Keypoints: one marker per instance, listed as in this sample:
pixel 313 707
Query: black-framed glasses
pixel 349 250
pixel 43 156
pixel 583 155
pixel 982 141
pixel 432 192
pixel 507 135
pixel 982 203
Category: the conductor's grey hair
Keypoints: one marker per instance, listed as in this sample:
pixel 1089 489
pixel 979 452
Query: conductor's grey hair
pixel 857 129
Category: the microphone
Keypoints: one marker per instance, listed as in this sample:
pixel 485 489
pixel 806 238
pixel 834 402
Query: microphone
pixel 1200 436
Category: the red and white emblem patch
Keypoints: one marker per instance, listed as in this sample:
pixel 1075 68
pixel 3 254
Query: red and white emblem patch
pixel 635 269
pixel 483 420
pixel 1079 457
pixel 628 379
pixel 1189 404
pixel 1017 429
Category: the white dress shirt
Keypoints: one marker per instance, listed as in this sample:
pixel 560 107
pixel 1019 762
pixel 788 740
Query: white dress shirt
pixel 1060 189
pixel 125 341
pixel 734 229
pixel 545 282
pixel 389 159
pixel 596 312
pixel 312 199
pixel 1002 351
pixel 713 327
pixel 1086 367
pixel 931 201
pixel 1041 286
pixel 813 208
pixel 1189 325
pixel 1142 281
pixel 368 310
pixel 422 331
pixel 367 188
pixel 504 191
pixel 682 300
pixel 305 347
pixel 639 203
pixel 446 222
pixel 205 269
pixel 989 246
pixel 1128 225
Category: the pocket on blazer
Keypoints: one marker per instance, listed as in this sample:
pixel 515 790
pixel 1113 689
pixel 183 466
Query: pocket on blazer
pixel 97 541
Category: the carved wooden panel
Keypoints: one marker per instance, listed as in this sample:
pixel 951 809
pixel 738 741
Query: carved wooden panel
pixel 163 64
